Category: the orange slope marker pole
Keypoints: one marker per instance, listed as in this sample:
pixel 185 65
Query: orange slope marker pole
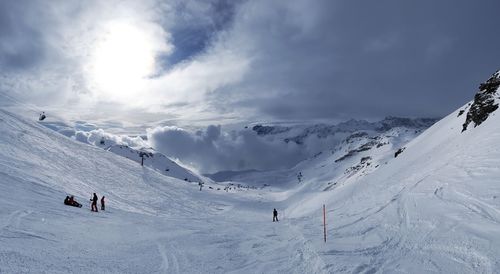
pixel 324 222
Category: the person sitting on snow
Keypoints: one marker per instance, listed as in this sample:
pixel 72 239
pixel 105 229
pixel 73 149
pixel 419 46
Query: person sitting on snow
pixel 74 203
pixel 42 116
pixel 71 201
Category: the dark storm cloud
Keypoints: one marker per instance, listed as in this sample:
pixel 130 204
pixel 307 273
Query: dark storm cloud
pixel 331 59
pixel 22 45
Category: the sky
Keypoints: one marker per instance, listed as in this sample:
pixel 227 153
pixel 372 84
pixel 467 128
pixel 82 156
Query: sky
pixel 184 65
pixel 221 61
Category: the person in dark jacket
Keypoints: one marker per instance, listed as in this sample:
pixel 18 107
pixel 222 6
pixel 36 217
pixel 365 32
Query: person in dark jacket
pixel 71 201
pixel 94 203
pixel 66 201
pixel 275 215
pixel 102 203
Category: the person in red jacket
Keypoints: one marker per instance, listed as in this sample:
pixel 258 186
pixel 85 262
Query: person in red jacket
pixel 94 203
pixel 102 203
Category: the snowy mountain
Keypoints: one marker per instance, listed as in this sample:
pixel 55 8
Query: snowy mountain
pixel 298 133
pixel 362 148
pixel 435 208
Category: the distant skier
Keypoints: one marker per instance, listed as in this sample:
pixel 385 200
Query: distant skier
pixel 42 116
pixel 94 203
pixel 200 184
pixel 102 203
pixel 275 215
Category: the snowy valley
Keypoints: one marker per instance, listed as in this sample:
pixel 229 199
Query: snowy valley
pixel 432 208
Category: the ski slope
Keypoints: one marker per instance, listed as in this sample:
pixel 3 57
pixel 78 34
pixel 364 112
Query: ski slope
pixel 436 209
pixel 154 223
pixel 433 209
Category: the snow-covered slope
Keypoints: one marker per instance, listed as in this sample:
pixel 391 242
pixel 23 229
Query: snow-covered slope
pixel 363 150
pixel 436 208
pixel 158 162
pixel 126 146
pixel 153 223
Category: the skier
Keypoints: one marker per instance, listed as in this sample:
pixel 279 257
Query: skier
pixel 66 201
pixel 200 184
pixel 275 215
pixel 102 203
pixel 42 116
pixel 94 203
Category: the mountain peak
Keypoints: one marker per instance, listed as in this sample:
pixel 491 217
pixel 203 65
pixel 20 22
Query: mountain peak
pixel 485 101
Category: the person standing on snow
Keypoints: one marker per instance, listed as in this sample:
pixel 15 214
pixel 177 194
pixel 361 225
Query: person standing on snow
pixel 102 203
pixel 94 203
pixel 275 215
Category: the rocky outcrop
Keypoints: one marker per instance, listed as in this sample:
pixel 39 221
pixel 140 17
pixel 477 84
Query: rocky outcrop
pixel 269 130
pixel 393 122
pixel 399 151
pixel 485 102
pixel 375 141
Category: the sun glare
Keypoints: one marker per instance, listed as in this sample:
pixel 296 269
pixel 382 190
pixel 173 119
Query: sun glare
pixel 121 61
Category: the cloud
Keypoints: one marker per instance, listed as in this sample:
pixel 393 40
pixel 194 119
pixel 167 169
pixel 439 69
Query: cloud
pixel 92 134
pixel 94 137
pixel 48 52
pixel 222 61
pixel 212 149
pixel 310 59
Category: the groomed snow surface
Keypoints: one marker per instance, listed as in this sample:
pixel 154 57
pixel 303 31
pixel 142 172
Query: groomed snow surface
pixel 434 209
